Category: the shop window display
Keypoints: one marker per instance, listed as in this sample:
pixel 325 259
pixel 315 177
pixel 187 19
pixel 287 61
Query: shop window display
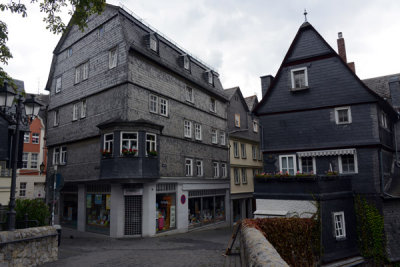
pixel 208 210
pixel 205 210
pixel 194 212
pixel 219 208
pixel 165 212
pixel 70 210
pixel 98 213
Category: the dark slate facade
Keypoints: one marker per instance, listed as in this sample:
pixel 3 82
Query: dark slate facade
pixel 126 83
pixel 320 118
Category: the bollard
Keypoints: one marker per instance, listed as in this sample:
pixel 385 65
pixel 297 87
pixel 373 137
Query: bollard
pixel 58 228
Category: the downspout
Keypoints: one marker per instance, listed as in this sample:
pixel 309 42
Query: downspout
pixel 381 172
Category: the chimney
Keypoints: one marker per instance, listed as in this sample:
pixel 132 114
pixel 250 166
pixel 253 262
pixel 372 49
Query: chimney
pixel 266 83
pixel 342 52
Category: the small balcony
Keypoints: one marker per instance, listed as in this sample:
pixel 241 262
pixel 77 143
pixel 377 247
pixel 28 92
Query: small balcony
pixel 129 167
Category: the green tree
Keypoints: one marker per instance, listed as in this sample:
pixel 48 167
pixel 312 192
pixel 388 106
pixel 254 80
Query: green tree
pixel 79 10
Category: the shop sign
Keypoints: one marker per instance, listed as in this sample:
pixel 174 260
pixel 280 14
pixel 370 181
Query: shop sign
pixel 133 191
pixel 183 199
pixel 98 199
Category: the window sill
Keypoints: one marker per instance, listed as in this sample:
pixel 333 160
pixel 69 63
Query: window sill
pixel 340 238
pixel 342 123
pixel 299 89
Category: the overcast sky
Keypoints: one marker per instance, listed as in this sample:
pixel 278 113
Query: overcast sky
pixel 242 40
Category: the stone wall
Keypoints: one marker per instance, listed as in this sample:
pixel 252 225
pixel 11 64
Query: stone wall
pixel 28 247
pixel 257 251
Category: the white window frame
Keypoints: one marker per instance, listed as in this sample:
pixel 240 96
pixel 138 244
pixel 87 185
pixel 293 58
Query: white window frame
pixel 236 176
pixel 337 228
pixel 186 62
pixel 224 170
pixel 222 138
pixel 100 31
pixel 384 120
pixel 112 58
pixel 313 163
pixel 56 156
pixel 213 105
pixel 25 159
pixel 188 167
pixel 85 71
pixel 56 118
pixel 255 126
pixel 214 136
pixel 34 163
pixel 215 169
pixel 197 131
pixel 58 84
pixel 163 107
pixel 153 104
pixel 35 138
pixel 22 189
pixel 78 74
pixel 348 115
pixel 287 157
pixel 210 77
pixel 254 151
pixel 129 141
pixel 305 77
pixel 75 111
pixel 63 155
pixel 108 144
pixel 199 168
pixel 27 137
pixel 187 129
pixel 83 109
pixel 189 94
pixel 152 143
pixel 243 150
pixel 153 43
pixel 69 52
pixel 236 149
pixel 237 120
pixel 341 164
pixel 244 176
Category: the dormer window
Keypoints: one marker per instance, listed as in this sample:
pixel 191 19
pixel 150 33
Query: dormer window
pixel 186 62
pixel 210 77
pixel 153 43
pixel 299 78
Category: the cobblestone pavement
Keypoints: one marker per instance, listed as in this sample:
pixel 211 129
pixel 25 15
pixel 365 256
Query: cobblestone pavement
pixel 197 248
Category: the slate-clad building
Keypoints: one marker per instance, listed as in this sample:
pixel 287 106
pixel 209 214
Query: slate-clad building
pixel 322 119
pixel 136 129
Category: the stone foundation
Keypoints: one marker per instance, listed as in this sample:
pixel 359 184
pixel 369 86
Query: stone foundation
pixel 28 247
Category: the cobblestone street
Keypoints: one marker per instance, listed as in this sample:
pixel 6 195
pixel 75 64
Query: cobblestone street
pixel 198 248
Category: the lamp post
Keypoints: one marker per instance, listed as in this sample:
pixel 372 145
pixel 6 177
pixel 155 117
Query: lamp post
pixel 32 108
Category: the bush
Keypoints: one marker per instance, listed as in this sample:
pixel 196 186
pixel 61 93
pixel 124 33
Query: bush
pixel 35 208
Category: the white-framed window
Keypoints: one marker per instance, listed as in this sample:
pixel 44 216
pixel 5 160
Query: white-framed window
pixel 199 167
pixel 35 138
pixel 307 165
pixel 186 62
pixel 243 150
pixel 299 78
pixel 75 110
pixel 384 120
pixel 153 43
pixel 82 72
pixel 83 109
pixel 224 170
pixel 63 155
pixel 22 189
pixel 216 169
pixel 287 164
pixel 254 151
pixel 24 160
pixel 259 154
pixel 189 94
pixel 236 175
pixel 129 140
pixel 214 136
pixel 163 107
pixel 58 84
pixel 100 31
pixel 151 142
pixel 222 138
pixel 213 105
pixel 187 125
pixel 56 156
pixel 339 225
pixel 237 120
pixel 69 52
pixel 244 176
pixel 112 58
pixel 235 149
pixel 109 142
pixel 26 137
pixel 210 77
pixel 343 115
pixel 153 104
pixel 197 131
pixel 255 126
pixel 56 118
pixel 188 167
pixel 348 163
pixel 34 160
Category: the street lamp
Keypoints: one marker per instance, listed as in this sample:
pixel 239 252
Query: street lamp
pixel 7 98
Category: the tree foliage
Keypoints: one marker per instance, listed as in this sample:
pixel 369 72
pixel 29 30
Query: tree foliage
pixel 80 10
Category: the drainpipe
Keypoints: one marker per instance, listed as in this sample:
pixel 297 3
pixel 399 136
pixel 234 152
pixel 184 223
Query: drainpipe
pixel 381 174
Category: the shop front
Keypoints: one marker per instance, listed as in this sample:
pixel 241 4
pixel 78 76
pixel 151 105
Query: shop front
pixel 206 207
pixel 69 206
pixel 165 207
pixel 98 204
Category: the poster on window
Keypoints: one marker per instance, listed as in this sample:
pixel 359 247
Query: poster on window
pixel 108 202
pixel 88 201
pixel 98 199
pixel 172 217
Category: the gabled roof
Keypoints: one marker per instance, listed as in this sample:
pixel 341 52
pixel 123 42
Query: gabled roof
pixel 380 84
pixel 321 50
pixel 251 101
pixel 230 92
